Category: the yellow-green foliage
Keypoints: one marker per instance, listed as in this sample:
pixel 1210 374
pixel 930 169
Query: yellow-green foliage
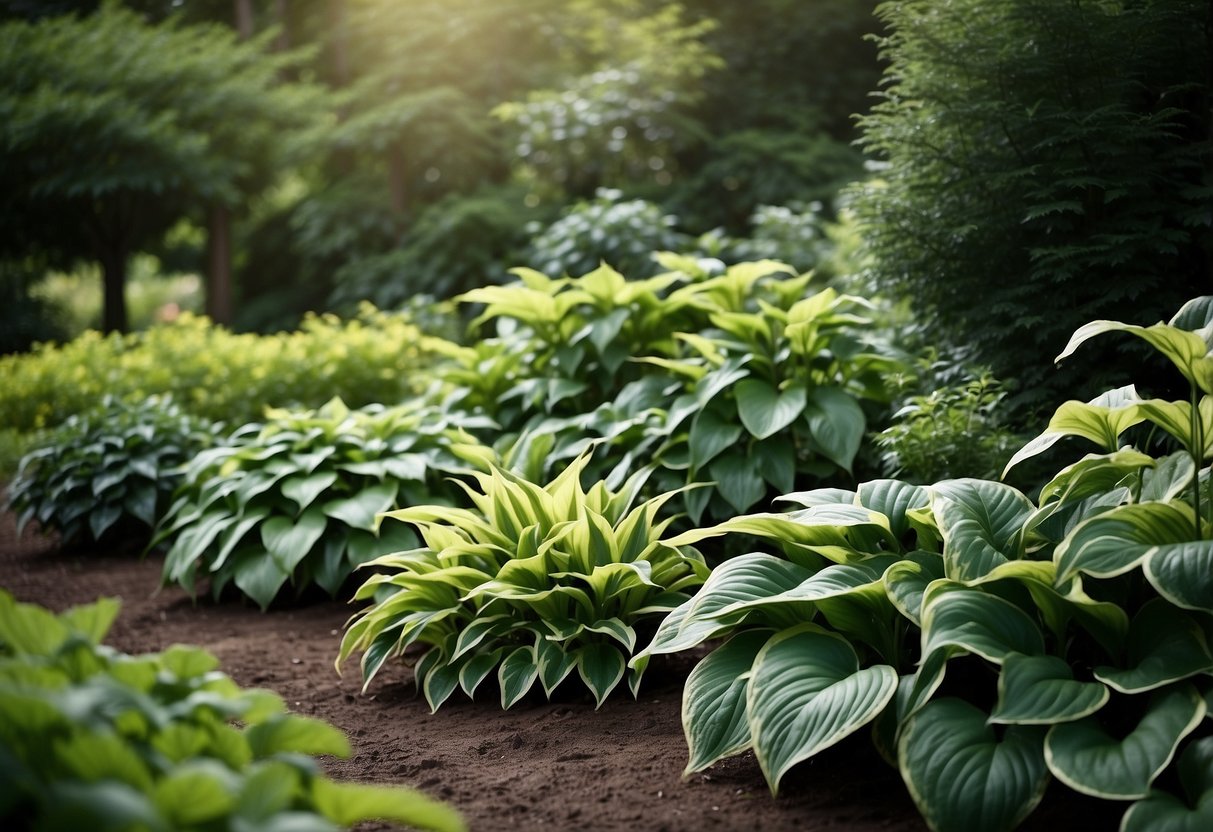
pixel 215 373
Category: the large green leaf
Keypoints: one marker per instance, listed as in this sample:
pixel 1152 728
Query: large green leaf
pixel 1088 758
pixel 1163 812
pixel 714 701
pixel 981 523
pixel 1042 690
pixel 906 582
pixel 1100 420
pixel 737 481
pixel 600 666
pixel 289 541
pixel 304 490
pixel 359 510
pixel 765 410
pixel 1186 350
pixel 1183 573
pixel 893 498
pixel 806 693
pixel 301 734
pixel 1164 645
pixel 710 434
pixel 258 575
pixel 836 423
pixel 516 674
pixel 980 623
pixel 1117 541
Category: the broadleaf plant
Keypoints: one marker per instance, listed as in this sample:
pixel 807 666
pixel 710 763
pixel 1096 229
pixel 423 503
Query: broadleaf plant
pixel 990 642
pixel 294 499
pixel 94 738
pixel 533 582
pixel 108 473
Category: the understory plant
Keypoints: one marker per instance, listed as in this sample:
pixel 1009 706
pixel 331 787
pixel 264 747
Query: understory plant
pixel 294 499
pixel 91 738
pixel 532 582
pixel 110 472
pixel 990 643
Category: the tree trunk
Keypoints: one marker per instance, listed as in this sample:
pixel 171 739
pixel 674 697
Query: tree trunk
pixel 244 18
pixel 113 276
pixel 219 276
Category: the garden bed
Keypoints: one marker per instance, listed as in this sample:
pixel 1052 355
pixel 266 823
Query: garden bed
pixel 540 765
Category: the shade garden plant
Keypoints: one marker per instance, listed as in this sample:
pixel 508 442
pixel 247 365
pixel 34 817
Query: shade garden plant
pixel 293 499
pixel 988 642
pixel 94 738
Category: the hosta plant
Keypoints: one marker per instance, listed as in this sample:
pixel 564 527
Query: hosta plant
pixel 108 473
pixel 991 643
pixel 532 582
pixel 91 738
pixel 294 499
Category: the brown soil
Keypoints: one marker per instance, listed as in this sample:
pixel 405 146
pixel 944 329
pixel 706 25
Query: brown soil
pixel 542 765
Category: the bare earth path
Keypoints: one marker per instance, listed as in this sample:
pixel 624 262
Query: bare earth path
pixel 539 766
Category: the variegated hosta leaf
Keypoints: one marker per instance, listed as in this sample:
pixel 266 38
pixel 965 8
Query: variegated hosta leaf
pixel 806 693
pixel 1117 541
pixel 1102 420
pixel 1095 474
pixel 907 580
pixel 825 528
pixel 516 674
pixel 601 667
pixel 1163 812
pixel 978 622
pixel 1186 350
pixel 1042 690
pixel 1087 758
pixel 1164 645
pixel 893 498
pixel 1176 419
pixel 1168 478
pixel 962 776
pixel 714 701
pixel 913 692
pixel 1183 574
pixel 981 523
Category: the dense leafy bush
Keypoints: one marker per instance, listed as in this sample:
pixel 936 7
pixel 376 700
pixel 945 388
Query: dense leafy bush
pixel 108 472
pixel 991 642
pixel 533 582
pixel 97 739
pixel 295 498
pixel 793 234
pixel 215 373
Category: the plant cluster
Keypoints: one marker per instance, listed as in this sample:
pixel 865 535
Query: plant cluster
pixel 533 582
pixel 215 373
pixel 991 642
pixel 94 738
pixel 109 471
pixel 295 499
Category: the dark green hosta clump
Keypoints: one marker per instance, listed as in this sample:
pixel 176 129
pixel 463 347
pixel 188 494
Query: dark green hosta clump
pixel 109 472
pixel 991 642
pixel 533 582
pixel 295 499
pixel 91 738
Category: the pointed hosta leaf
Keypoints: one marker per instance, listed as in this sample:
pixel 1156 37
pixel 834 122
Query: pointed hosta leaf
pixel 836 423
pixel 980 623
pixel 1116 541
pixel 980 522
pixel 907 580
pixel 258 576
pixel 721 378
pixel 806 693
pixel 555 664
pixel 141 502
pixel 1164 645
pixel 766 410
pixel 1042 690
pixel 1195 314
pixel 893 498
pixel 962 777
pixel 714 701
pixel 1088 759
pixel 347 804
pixel 737 481
pixel 487 626
pixel 1101 420
pixel 1167 479
pixel 304 490
pixel 710 434
pixel 1163 812
pixel 1183 573
pixel 1184 349
pixel 616 629
pixel 290 540
pixel 775 459
pixel 601 667
pixel 1095 474
pixel 516 675
pixel 101 518
pixel 359 510
pixel 440 682
pixel 477 669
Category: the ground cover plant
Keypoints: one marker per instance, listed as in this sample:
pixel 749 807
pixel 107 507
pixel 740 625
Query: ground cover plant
pixel 990 642
pixel 293 499
pixel 533 582
pixel 108 473
pixel 95 738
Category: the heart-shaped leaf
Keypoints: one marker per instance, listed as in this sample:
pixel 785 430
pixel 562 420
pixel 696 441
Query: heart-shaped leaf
pixel 359 510
pixel 980 623
pixel 765 410
pixel 1042 690
pixel 1163 812
pixel 1183 573
pixel 600 666
pixel 710 434
pixel 289 541
pixel 714 701
pixel 1164 645
pixel 836 424
pixel 981 524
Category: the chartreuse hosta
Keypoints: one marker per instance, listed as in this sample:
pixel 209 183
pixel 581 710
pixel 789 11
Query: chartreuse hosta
pixel 990 643
pixel 91 738
pixel 295 498
pixel 533 582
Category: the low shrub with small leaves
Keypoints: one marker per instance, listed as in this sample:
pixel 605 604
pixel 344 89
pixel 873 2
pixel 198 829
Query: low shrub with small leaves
pixel 533 582
pixel 108 472
pixel 91 738
pixel 295 498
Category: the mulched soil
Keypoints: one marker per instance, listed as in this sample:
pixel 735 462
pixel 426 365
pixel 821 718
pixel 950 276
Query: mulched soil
pixel 557 765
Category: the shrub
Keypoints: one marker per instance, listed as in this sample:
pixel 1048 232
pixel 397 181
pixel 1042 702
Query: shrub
pixel 94 738
pixel 991 642
pixel 295 498
pixel 215 373
pixel 533 582
pixel 109 472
